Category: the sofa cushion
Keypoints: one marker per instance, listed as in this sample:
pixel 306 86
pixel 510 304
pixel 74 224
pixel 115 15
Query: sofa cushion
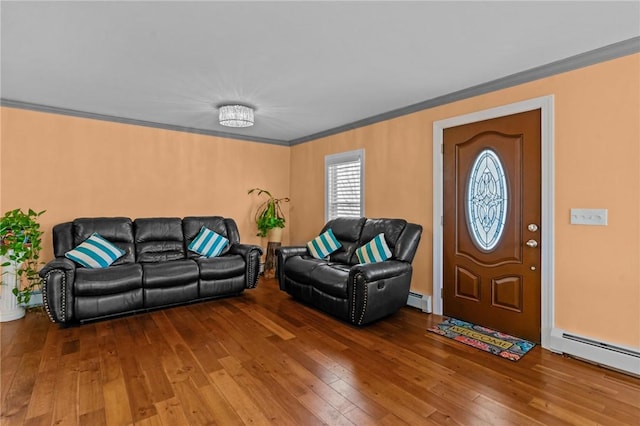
pixel 407 244
pixel 323 245
pixel 111 280
pixel 347 230
pixel 62 238
pixel 192 225
pixel 331 278
pixel 95 252
pixel 391 228
pixel 159 239
pixel 327 277
pixel 118 230
pixel 299 267
pixel 91 307
pixel 374 251
pixel 212 268
pixel 174 273
pixel 208 243
pixel 171 295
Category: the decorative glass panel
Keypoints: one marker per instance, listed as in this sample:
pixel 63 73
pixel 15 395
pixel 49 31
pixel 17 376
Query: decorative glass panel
pixel 487 200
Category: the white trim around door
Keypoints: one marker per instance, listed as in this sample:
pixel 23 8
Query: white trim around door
pixel 546 105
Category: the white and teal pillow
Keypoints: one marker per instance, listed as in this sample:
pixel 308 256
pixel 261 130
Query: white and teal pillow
pixel 208 243
pixel 374 251
pixel 95 252
pixel 323 245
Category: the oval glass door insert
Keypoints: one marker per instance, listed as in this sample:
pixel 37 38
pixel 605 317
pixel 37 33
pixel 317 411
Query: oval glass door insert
pixel 486 200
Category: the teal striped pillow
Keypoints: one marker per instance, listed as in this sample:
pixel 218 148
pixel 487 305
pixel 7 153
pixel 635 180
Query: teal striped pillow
pixel 95 252
pixel 323 245
pixel 208 243
pixel 374 251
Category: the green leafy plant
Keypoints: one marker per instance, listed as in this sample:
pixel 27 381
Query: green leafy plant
pixel 20 243
pixel 269 214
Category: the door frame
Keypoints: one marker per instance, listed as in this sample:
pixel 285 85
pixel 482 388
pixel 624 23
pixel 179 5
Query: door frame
pixel 546 106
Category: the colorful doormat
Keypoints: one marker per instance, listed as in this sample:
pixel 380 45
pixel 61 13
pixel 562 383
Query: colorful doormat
pixel 483 338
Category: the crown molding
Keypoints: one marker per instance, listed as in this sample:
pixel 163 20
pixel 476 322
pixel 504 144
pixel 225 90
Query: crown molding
pixel 82 114
pixel 606 53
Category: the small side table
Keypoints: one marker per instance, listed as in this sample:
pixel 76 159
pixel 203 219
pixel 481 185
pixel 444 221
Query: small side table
pixel 271 260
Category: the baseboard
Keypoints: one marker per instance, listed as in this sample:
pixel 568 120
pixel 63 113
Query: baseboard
pixel 617 357
pixel 35 300
pixel 420 301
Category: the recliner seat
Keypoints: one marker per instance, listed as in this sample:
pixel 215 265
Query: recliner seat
pixel 157 269
pixel 343 287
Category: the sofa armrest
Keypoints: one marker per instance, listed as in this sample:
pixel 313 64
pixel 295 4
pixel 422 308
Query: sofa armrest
pixel 283 254
pixel 61 263
pixel 244 249
pixel 381 270
pixel 378 289
pixel 58 277
pixel 251 254
pixel 287 252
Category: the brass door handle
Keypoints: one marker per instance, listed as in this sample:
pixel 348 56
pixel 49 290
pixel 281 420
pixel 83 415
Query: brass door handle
pixel 532 243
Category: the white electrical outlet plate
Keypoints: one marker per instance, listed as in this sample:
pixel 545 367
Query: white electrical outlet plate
pixel 589 217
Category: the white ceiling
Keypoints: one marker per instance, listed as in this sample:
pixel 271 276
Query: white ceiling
pixel 307 67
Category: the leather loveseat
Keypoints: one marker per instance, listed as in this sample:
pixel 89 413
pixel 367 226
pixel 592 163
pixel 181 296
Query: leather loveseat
pixel 156 270
pixel 342 286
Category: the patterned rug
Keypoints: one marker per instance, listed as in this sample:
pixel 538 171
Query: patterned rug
pixel 494 342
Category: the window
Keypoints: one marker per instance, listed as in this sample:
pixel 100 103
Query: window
pixel 487 200
pixel 344 184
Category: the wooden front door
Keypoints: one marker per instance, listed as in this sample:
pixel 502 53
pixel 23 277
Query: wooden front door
pixel 491 224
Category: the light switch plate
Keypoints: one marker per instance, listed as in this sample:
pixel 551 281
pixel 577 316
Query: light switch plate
pixel 589 217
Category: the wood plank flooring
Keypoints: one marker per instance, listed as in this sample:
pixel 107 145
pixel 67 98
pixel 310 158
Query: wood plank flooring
pixel 263 358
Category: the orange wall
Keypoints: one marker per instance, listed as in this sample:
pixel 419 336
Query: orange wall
pixel 76 167
pixel 398 167
pixel 597 163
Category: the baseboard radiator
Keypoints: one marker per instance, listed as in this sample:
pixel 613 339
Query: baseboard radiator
pixel 36 299
pixel 420 301
pixel 606 354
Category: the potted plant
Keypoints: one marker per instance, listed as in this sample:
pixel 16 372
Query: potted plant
pixel 269 214
pixel 20 247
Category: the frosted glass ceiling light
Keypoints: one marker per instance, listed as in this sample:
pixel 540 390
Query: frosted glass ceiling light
pixel 235 115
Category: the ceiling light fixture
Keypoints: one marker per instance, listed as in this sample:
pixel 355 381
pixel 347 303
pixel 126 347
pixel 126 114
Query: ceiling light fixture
pixel 235 115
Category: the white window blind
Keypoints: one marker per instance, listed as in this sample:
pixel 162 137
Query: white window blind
pixel 344 184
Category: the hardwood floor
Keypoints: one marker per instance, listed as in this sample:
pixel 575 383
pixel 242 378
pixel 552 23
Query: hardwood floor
pixel 263 358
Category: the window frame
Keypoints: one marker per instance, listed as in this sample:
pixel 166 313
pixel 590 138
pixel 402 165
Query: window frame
pixel 339 158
